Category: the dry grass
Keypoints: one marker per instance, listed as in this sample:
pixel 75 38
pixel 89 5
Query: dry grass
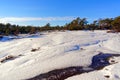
pixel 10 57
pixel 33 50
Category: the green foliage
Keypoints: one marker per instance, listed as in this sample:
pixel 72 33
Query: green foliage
pixel 106 23
pixel 116 24
pixel 76 24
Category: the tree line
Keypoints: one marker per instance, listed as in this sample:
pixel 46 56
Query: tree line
pixel 76 24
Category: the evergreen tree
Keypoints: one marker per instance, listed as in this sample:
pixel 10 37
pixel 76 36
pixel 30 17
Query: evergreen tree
pixel 116 24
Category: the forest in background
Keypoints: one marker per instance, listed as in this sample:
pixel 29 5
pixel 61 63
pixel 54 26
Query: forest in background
pixel 112 24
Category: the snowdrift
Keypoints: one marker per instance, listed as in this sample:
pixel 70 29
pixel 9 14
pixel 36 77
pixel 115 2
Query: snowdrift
pixel 113 43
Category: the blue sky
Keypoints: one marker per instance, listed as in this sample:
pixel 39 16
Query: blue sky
pixel 56 12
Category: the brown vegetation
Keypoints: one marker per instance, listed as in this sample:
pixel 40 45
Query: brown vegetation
pixel 10 57
pixel 33 49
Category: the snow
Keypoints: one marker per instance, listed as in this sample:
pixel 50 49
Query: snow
pixel 57 50
pixel 113 44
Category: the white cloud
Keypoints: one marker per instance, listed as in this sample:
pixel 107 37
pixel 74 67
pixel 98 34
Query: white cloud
pixel 26 19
